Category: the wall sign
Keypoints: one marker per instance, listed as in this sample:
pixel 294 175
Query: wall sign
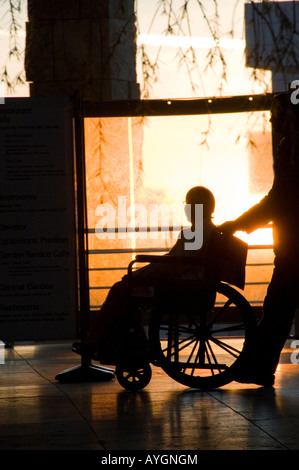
pixel 37 252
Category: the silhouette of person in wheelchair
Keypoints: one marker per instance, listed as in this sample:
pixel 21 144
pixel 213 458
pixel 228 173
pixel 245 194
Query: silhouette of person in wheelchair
pixel 189 267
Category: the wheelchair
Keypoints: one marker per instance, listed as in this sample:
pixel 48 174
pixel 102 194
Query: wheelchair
pixel 195 331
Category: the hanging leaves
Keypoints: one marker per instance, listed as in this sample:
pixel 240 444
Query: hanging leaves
pixel 14 26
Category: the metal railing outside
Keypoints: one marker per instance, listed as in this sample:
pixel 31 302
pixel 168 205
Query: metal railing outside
pixel 259 280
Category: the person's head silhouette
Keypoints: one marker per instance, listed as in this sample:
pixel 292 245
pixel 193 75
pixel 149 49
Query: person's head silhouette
pixel 199 195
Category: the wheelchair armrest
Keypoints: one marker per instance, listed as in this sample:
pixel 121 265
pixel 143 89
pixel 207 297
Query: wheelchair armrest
pixel 166 259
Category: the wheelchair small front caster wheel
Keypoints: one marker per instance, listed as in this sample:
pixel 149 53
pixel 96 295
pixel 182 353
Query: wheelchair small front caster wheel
pixel 133 377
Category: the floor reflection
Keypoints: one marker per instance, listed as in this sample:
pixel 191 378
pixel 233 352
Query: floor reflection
pixel 191 419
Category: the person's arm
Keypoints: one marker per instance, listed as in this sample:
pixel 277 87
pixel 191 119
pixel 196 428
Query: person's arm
pixel 255 217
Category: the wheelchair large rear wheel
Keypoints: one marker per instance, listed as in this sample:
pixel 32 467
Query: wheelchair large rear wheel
pixel 201 350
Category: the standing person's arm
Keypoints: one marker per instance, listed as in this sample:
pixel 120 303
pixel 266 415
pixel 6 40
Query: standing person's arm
pixel 255 217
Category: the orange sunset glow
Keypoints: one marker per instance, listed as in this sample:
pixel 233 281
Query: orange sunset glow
pixel 155 160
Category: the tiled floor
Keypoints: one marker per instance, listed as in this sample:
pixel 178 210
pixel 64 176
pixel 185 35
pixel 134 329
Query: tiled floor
pixel 39 413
